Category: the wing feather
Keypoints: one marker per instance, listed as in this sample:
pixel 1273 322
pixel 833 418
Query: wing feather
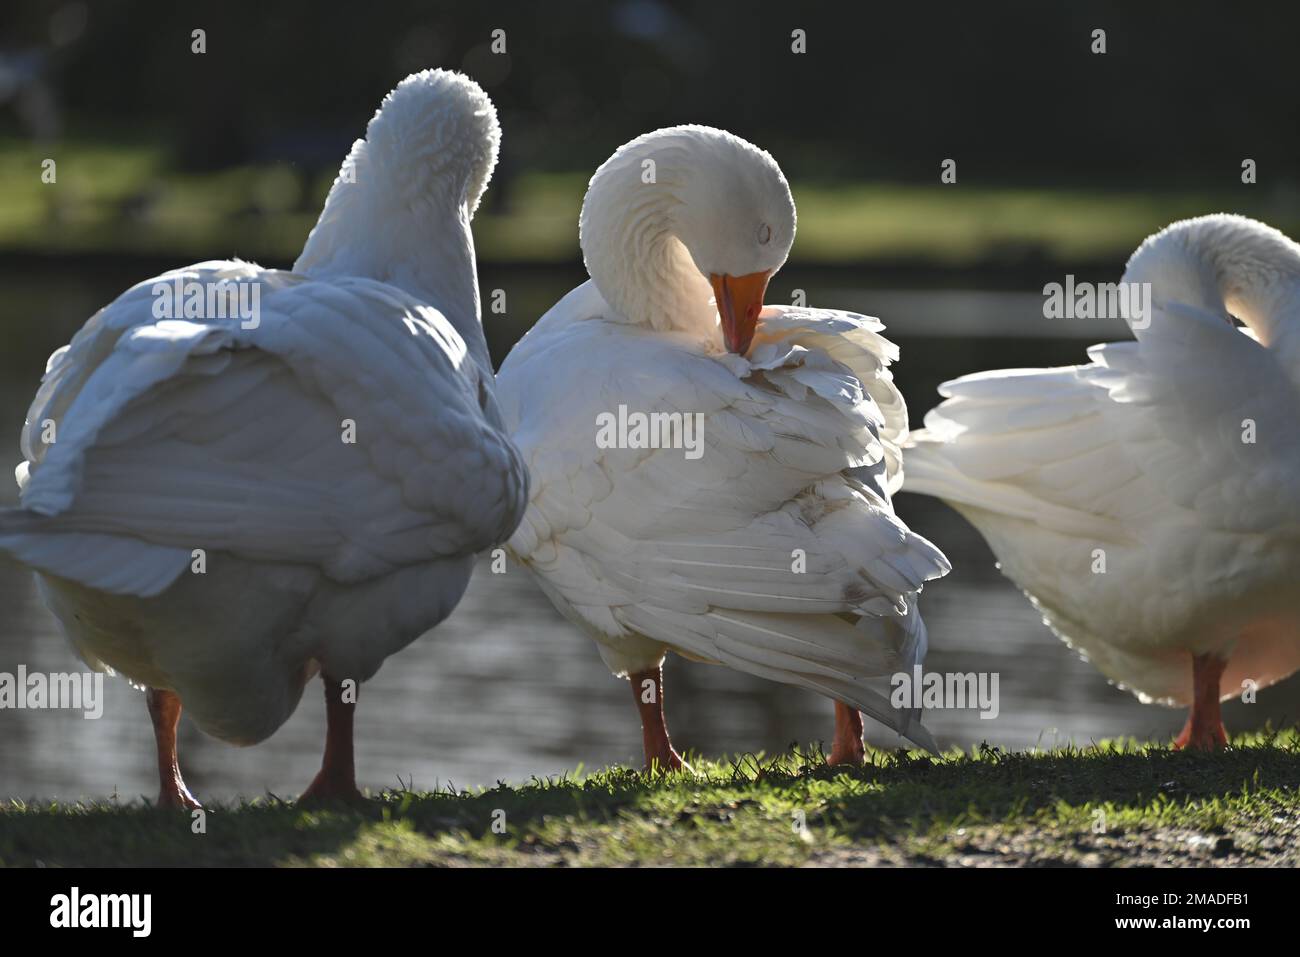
pixel 181 434
pixel 1146 430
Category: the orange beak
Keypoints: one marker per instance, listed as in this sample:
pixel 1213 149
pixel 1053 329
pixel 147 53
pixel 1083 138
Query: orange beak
pixel 739 299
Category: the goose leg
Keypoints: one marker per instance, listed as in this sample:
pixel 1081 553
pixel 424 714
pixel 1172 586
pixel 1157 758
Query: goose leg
pixel 337 778
pixel 1204 729
pixel 165 712
pixel 647 688
pixel 847 748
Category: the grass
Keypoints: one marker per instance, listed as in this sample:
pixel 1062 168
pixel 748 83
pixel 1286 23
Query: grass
pixel 1115 803
pixel 124 197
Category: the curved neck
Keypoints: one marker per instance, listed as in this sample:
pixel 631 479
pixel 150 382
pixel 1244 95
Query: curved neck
pixel 1228 264
pixel 629 241
pixel 423 246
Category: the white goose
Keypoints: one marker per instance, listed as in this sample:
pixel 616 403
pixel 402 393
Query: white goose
pixel 1174 460
pixel 771 547
pixel 217 508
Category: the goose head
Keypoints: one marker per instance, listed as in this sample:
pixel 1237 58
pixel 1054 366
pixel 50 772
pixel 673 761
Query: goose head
pixel 426 159
pixel 682 228
pixel 1229 266
pixel 433 142
pixel 400 209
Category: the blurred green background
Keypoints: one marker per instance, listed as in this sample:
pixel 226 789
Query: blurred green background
pixel 1063 155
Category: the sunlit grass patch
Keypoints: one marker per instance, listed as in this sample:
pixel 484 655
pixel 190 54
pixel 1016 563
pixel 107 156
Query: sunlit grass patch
pixel 1112 803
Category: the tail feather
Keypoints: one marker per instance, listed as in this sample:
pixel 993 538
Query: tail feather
pixel 833 655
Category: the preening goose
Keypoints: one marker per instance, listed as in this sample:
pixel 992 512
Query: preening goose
pixel 762 537
pixel 1148 502
pixel 238 476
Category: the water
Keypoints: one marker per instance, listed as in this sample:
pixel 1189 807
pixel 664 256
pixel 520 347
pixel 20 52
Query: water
pixel 506 689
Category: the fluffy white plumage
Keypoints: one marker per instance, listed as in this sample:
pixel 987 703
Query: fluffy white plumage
pixel 196 433
pixel 1143 453
pixel 646 550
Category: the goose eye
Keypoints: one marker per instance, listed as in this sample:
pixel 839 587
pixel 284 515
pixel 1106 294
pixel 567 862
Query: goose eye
pixel 764 234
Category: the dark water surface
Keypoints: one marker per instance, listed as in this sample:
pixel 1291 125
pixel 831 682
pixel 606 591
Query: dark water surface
pixel 506 689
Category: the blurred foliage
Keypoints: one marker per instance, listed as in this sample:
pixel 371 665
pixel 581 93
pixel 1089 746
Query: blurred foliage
pixel 1060 152
pixel 124 198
